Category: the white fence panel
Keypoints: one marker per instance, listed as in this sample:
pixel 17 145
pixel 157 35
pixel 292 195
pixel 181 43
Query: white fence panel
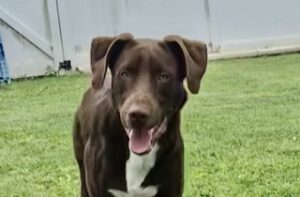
pixel 83 20
pixel 30 36
pixel 38 33
pixel 80 22
pixel 256 25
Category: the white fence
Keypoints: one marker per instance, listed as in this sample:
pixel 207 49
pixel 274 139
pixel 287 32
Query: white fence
pixel 30 34
pixel 41 33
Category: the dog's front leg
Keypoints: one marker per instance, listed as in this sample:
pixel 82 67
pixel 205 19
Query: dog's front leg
pixel 83 192
pixel 78 143
pixel 93 167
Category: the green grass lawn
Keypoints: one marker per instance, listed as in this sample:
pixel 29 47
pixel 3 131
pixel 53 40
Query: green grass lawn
pixel 242 132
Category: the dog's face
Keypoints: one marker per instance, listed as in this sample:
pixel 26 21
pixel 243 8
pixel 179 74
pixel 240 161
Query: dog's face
pixel 147 85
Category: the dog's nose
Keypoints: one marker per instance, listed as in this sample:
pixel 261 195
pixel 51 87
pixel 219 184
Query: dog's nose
pixel 138 118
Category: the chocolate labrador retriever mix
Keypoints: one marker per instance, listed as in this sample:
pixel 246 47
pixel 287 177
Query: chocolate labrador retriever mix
pixel 127 137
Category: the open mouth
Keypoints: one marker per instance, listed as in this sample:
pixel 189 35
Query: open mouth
pixel 141 142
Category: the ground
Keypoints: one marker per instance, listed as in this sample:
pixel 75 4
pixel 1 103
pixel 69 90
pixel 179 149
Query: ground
pixel 242 132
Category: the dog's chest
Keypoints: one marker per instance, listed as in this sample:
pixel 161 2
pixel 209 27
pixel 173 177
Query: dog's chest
pixel 137 168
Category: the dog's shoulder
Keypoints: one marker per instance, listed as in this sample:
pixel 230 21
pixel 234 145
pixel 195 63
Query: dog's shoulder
pixel 96 96
pixel 96 105
pixel 95 99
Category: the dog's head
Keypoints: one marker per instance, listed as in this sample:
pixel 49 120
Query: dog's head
pixel 147 81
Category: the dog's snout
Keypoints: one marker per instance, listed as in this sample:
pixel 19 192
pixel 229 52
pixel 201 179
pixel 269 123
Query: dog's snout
pixel 138 117
pixel 138 111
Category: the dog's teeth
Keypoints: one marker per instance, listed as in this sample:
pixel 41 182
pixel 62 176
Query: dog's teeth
pixel 152 131
pixel 130 132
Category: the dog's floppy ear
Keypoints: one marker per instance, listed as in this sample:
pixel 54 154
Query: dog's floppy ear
pixel 194 58
pixel 100 48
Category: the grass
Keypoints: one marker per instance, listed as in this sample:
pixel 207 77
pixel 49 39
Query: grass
pixel 242 132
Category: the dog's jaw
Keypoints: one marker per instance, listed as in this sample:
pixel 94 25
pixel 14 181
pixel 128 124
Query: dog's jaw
pixel 142 142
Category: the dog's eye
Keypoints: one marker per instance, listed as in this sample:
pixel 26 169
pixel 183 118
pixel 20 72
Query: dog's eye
pixel 124 74
pixel 164 77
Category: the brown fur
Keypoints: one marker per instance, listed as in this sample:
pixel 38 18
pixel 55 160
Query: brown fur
pixel 147 78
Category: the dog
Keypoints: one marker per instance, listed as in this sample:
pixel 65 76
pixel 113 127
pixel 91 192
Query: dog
pixel 126 135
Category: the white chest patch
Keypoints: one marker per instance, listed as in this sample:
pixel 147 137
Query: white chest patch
pixel 137 168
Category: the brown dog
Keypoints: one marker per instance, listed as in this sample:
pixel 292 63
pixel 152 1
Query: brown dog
pixel 127 137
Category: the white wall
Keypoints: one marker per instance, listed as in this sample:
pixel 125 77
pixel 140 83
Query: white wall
pixel 83 20
pixel 230 28
pixel 253 24
pixel 23 58
pixel 30 35
pixel 54 33
pixel 157 18
pixel 80 22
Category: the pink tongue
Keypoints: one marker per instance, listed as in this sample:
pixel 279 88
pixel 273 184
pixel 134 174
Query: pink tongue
pixel 140 142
